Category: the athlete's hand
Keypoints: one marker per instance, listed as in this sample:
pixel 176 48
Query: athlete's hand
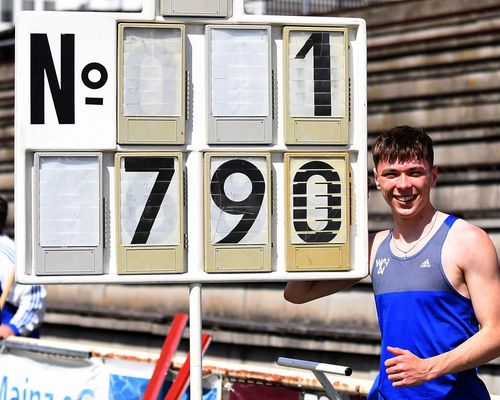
pixel 5 331
pixel 406 369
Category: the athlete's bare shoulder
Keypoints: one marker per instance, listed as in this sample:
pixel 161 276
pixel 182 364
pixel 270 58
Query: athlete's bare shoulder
pixel 374 241
pixel 467 244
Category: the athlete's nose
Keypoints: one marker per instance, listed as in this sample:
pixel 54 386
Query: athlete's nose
pixel 403 182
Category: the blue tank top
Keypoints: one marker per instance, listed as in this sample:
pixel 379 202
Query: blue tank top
pixel 419 310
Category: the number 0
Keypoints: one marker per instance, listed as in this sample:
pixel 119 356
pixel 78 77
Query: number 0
pixel 332 202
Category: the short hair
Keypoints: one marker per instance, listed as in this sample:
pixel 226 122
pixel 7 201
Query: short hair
pixel 403 143
pixel 4 208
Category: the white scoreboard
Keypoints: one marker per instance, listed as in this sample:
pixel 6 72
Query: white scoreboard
pixel 199 144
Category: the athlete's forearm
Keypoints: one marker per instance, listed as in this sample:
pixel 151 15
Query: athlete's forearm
pixel 406 369
pixel 300 292
pixel 479 349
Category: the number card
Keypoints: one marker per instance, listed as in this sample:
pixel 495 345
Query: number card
pixel 239 67
pixel 237 212
pixel 151 84
pixel 68 220
pixel 150 208
pixel 318 211
pixel 207 8
pixel 316 85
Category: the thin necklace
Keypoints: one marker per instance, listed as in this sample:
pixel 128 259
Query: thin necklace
pixel 434 218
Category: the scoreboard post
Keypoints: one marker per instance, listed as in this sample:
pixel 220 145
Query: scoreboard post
pixel 196 144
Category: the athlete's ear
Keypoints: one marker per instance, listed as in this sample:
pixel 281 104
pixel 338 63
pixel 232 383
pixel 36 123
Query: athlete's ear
pixel 434 175
pixel 375 175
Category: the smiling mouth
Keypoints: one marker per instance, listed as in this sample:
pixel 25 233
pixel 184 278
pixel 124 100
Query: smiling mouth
pixel 405 199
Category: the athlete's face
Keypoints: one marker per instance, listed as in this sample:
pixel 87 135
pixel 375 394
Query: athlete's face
pixel 406 185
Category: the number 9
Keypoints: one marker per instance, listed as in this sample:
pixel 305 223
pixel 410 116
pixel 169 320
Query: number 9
pixel 248 207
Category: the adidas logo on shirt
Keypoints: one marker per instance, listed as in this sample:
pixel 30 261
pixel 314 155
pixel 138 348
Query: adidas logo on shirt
pixel 425 264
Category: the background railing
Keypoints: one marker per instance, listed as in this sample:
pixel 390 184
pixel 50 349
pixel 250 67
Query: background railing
pixel 306 7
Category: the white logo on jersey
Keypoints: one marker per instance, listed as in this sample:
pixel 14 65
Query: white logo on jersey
pixel 425 264
pixel 381 263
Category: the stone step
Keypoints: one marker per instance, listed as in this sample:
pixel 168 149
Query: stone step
pixel 7 73
pixel 438 118
pixel 466 84
pixel 442 59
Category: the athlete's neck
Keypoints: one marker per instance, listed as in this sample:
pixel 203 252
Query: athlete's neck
pixel 409 230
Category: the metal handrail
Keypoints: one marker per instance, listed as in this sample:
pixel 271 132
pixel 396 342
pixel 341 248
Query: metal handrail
pixel 319 370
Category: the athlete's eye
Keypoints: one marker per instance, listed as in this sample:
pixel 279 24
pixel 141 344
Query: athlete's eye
pixel 416 174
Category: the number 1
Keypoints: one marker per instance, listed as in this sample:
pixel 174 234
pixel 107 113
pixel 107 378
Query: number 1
pixel 320 43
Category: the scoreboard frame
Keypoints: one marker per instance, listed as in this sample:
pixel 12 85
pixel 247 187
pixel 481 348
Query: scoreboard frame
pixel 96 130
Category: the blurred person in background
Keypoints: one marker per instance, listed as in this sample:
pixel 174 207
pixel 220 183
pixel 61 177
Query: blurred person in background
pixel 24 308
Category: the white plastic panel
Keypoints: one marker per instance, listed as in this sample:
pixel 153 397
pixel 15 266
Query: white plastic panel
pixel 152 72
pixel 68 217
pixel 151 86
pixel 210 8
pixel 239 72
pixel 239 84
pixel 69 200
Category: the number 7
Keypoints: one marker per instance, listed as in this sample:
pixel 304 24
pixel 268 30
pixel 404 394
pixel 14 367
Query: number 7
pixel 165 168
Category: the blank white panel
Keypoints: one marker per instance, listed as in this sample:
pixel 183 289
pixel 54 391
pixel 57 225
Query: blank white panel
pixel 206 8
pixel 239 71
pixel 138 189
pixel 69 200
pixel 316 69
pixel 152 77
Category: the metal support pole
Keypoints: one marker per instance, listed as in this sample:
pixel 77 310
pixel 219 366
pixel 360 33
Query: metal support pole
pixel 330 390
pixel 195 348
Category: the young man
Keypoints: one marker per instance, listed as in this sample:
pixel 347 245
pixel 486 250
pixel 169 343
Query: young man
pixel 23 311
pixel 436 279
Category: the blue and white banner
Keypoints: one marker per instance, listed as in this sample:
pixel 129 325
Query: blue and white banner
pixel 42 377
pixel 26 375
